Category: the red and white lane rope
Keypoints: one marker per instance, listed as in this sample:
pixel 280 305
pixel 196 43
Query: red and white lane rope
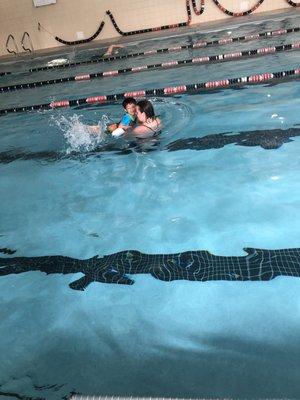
pixel 199 44
pixel 170 90
pixel 165 65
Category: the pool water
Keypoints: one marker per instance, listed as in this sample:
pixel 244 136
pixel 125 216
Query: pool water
pixel 66 193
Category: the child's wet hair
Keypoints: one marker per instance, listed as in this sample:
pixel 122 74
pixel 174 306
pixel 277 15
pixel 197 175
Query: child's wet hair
pixel 128 100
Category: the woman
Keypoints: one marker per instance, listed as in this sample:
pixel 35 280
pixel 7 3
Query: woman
pixel 149 125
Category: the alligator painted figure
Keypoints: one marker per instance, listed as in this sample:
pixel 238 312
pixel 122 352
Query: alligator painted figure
pixel 199 265
pixel 266 139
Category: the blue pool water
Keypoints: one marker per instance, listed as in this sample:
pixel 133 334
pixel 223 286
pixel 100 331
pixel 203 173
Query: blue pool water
pixel 63 193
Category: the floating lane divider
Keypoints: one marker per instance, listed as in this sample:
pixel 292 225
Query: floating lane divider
pixel 199 44
pixel 145 30
pixel 196 11
pixel 74 42
pixel 293 3
pixel 165 65
pixel 188 88
pixel 237 14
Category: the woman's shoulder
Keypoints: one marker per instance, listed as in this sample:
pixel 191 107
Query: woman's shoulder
pixel 148 128
pixel 154 125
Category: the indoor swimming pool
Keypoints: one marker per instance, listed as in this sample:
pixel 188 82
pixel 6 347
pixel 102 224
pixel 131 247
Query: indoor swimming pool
pixel 220 182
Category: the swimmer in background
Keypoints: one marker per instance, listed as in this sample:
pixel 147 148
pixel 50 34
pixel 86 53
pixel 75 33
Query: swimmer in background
pixel 111 50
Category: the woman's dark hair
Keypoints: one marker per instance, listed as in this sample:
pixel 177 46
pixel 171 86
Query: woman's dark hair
pixel 146 107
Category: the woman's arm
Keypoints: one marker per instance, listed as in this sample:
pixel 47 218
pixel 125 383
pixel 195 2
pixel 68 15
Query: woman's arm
pixel 111 48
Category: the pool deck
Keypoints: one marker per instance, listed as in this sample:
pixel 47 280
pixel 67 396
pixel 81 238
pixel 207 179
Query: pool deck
pixel 207 27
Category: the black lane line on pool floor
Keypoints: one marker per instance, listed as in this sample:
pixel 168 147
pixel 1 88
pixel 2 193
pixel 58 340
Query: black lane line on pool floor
pixel 166 91
pixel 266 139
pixel 227 57
pixel 200 44
pixel 197 265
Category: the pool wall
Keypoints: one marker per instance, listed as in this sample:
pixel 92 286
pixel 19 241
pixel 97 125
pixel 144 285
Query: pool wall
pixel 76 20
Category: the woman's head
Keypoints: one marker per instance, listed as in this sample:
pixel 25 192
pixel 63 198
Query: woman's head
pixel 145 110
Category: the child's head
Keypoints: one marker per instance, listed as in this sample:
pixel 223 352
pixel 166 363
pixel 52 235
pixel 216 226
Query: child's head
pixel 129 105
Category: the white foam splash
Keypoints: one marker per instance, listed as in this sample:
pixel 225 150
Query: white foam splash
pixel 57 61
pixel 78 135
pixel 281 119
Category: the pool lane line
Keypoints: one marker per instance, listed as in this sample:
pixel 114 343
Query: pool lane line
pixel 165 91
pixel 165 65
pixel 196 45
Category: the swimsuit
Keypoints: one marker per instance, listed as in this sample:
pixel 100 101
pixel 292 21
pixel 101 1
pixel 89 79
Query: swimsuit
pixel 128 120
pixel 153 130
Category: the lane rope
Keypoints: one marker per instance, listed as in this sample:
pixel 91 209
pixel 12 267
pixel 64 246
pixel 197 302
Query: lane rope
pixel 293 4
pixel 189 13
pixel 89 39
pixel 199 44
pixel 237 14
pixel 265 77
pixel 165 65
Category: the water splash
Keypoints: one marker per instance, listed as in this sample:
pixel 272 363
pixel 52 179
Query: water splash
pixel 79 136
pixel 57 61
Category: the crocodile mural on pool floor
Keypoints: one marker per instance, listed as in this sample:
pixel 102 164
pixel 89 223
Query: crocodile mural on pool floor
pixel 266 139
pixel 199 265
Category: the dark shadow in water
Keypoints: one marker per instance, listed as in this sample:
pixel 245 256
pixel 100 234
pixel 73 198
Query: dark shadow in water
pixel 266 139
pixel 190 265
pixel 199 366
pixel 12 395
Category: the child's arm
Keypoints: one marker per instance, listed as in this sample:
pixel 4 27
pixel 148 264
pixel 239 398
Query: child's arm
pixel 94 128
pixel 112 127
pixel 125 127
pixel 122 127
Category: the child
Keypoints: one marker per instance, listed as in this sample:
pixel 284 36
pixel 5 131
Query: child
pixel 128 120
